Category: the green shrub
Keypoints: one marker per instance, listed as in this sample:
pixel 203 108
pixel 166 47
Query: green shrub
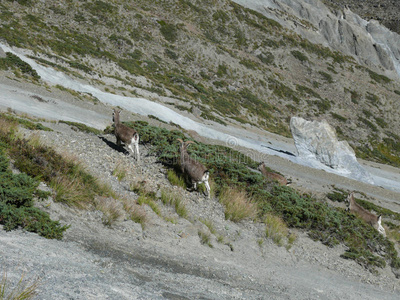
pixel 327 77
pixel 13 61
pixel 378 77
pixel 16 204
pixel 169 31
pixel 300 56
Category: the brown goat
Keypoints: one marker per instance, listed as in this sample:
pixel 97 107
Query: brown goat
pixel 364 214
pixel 271 176
pixel 127 135
pixel 196 171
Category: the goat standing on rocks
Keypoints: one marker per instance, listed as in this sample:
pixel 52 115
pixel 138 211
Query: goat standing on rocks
pixel 197 172
pixel 270 176
pixel 127 135
pixel 367 216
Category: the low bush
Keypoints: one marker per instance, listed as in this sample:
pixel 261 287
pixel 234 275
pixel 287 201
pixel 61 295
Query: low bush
pixel 17 192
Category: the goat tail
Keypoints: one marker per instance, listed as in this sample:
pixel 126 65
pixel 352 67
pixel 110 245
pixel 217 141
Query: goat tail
pixel 289 181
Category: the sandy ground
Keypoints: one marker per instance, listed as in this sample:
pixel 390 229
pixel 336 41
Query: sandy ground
pixel 167 261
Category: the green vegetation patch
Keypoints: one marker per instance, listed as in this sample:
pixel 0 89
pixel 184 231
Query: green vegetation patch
pixel 17 192
pixel 13 61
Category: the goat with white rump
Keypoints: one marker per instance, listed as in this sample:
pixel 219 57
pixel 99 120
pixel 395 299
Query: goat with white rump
pixel 127 135
pixel 196 171
pixel 271 176
pixel 370 218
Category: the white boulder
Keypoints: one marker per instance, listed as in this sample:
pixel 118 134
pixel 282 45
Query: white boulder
pixel 316 140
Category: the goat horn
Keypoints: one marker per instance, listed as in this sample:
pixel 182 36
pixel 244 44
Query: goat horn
pixel 180 140
pixel 189 142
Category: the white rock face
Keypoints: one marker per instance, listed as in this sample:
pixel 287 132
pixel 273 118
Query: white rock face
pixel 318 140
pixel 370 43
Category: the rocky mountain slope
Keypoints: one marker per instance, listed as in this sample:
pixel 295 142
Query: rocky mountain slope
pixel 170 253
pixel 219 61
pixel 385 11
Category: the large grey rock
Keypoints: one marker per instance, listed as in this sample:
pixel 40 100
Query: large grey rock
pixel 370 43
pixel 318 140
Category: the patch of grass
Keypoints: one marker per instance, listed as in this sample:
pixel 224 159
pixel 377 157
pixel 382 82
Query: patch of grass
pixel 276 229
pixel 120 171
pixel 169 31
pixel 205 238
pixel 338 117
pixel 176 179
pixel 173 199
pixel 73 185
pixel 23 290
pixel 378 77
pixel 237 205
pixel 82 127
pixel 13 61
pixel 145 199
pixel 209 225
pixel 111 208
pixel 24 122
pixel 17 193
pixel 327 77
pixel 299 55
pixel 135 212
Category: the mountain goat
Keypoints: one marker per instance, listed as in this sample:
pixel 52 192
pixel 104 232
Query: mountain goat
pixel 127 135
pixel 271 176
pixel 196 171
pixel 367 216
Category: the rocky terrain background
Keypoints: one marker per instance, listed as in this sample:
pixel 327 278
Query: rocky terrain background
pixel 385 11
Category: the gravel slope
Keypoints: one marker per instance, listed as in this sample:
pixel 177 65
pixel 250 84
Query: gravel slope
pixel 166 260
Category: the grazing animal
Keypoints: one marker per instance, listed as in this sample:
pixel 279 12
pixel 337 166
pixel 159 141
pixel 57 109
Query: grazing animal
pixel 370 218
pixel 271 176
pixel 126 135
pixel 196 171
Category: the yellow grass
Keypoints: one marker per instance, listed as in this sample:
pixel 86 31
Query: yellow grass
pixel 238 206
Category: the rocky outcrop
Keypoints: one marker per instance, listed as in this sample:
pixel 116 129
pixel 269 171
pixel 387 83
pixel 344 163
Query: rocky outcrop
pixel 370 43
pixel 318 140
pixel 387 12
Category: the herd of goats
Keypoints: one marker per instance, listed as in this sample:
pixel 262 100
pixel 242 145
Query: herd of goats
pixel 198 173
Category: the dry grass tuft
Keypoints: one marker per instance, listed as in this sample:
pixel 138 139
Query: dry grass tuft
pixel 173 199
pixel 135 212
pixel 237 205
pixel 111 208
pixel 120 171
pixel 175 179
pixel 24 290
pixel 278 231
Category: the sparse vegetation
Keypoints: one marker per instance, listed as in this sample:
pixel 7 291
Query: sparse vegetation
pixel 237 204
pixel 173 199
pixel 23 290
